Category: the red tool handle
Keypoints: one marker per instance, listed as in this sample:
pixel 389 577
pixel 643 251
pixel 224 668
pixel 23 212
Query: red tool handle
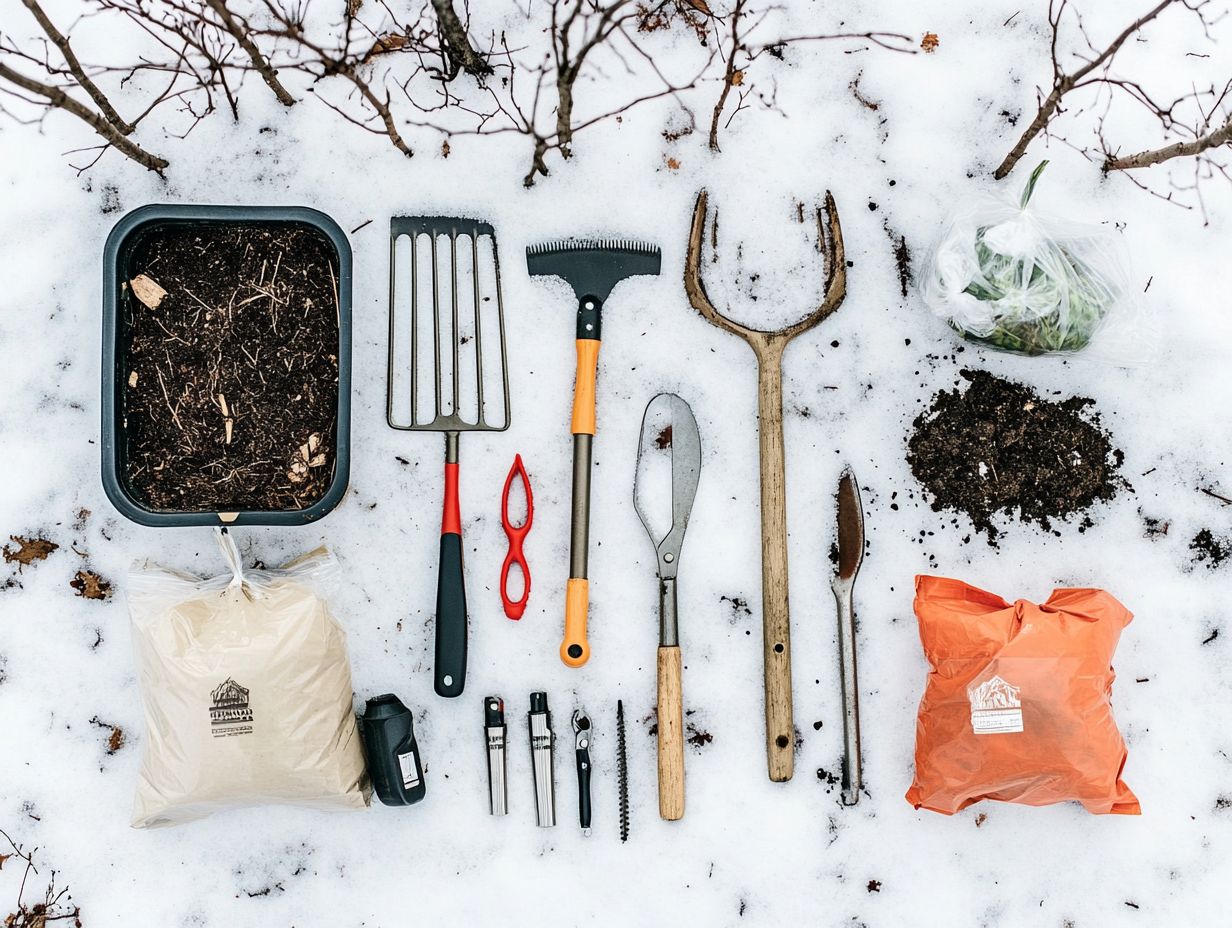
pixel 516 534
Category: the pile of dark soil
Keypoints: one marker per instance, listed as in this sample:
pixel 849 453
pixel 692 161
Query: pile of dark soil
pixel 998 447
pixel 231 376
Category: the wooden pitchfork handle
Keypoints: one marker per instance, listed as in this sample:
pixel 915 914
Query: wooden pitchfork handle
pixel 769 346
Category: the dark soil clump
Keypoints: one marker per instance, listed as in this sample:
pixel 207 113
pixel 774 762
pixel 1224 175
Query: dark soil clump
pixel 231 378
pixel 998 447
pixel 1210 550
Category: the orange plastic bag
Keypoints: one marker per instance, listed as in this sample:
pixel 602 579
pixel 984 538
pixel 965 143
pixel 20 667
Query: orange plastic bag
pixel 1018 705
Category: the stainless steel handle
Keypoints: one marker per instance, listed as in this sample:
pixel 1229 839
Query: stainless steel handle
pixel 498 784
pixel 852 782
pixel 541 742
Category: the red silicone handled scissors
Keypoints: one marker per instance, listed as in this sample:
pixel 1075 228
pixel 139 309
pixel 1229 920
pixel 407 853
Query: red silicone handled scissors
pixel 517 534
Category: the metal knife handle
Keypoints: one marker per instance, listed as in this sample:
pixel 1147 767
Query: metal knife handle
pixel 852 782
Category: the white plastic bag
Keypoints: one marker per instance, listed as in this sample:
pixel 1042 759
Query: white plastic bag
pixel 247 691
pixel 1006 276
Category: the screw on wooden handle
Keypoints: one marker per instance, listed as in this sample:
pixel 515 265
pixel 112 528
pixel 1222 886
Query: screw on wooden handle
pixel 671 736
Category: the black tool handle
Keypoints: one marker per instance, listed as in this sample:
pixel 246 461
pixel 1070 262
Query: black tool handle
pixel 583 772
pixel 450 659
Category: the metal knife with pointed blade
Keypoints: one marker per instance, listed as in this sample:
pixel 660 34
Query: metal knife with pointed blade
pixel 850 555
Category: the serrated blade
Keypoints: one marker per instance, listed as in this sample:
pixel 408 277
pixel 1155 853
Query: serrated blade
pixel 850 527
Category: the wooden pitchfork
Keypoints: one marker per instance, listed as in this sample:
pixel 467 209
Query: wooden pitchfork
pixel 768 346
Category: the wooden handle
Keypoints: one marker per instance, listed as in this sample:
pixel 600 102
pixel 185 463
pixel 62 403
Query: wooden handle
pixel 584 386
pixel 776 620
pixel 575 649
pixel 671 737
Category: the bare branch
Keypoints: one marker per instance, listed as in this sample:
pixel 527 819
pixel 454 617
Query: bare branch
pixel 58 99
pixel 1145 159
pixel 79 74
pixel 456 44
pixel 260 63
pixel 1063 83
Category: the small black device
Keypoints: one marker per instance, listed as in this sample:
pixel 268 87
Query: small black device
pixel 393 754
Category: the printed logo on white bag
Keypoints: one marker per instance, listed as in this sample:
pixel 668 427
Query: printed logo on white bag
pixel 995 707
pixel 230 714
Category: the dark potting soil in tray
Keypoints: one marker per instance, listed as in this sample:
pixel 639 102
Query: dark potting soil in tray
pixel 999 447
pixel 247 334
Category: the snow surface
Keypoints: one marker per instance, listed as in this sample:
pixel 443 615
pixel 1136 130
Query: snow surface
pixel 748 851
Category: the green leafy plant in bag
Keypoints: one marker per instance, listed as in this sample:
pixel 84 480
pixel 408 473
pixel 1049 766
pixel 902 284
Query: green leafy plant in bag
pixel 1007 277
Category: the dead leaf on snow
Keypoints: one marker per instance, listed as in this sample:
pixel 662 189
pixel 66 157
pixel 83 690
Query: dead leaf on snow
pixel 90 585
pixel 445 149
pixel 699 5
pixel 673 164
pixel 390 42
pixel 930 42
pixel 737 78
pixel 3 858
pixel 28 551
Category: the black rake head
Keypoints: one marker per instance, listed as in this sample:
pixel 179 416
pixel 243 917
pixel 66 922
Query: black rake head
pixel 593 267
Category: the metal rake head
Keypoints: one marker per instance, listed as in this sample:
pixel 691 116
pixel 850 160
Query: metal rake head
pixel 460 315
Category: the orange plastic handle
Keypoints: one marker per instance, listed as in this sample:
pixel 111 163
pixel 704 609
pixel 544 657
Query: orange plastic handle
pixel 584 391
pixel 575 649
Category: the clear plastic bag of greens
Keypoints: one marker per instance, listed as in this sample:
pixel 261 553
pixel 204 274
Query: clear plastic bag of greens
pixel 1004 275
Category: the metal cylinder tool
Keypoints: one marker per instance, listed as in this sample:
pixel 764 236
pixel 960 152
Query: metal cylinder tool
pixel 542 740
pixel 494 729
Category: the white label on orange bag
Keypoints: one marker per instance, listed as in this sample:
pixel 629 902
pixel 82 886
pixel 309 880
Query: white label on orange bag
pixel 995 707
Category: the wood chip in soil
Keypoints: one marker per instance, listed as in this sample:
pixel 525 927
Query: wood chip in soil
pixel 231 384
pixel 997 450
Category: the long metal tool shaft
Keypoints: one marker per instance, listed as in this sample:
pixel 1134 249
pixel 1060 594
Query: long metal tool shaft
pixel 852 778
pixel 579 528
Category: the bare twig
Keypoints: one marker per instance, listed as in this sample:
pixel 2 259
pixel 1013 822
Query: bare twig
pixel 242 34
pixel 1145 159
pixel 58 99
pixel 1063 82
pixel 1211 493
pixel 79 73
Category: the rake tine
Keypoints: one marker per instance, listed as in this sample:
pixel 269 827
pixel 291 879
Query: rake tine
pixel 478 326
pixel 414 326
pixel 453 307
pixel 500 321
pixel 389 370
pixel 436 327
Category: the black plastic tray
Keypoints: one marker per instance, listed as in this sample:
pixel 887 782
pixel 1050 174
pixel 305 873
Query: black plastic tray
pixel 117 268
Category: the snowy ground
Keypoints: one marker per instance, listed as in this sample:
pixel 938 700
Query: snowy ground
pixel 748 851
